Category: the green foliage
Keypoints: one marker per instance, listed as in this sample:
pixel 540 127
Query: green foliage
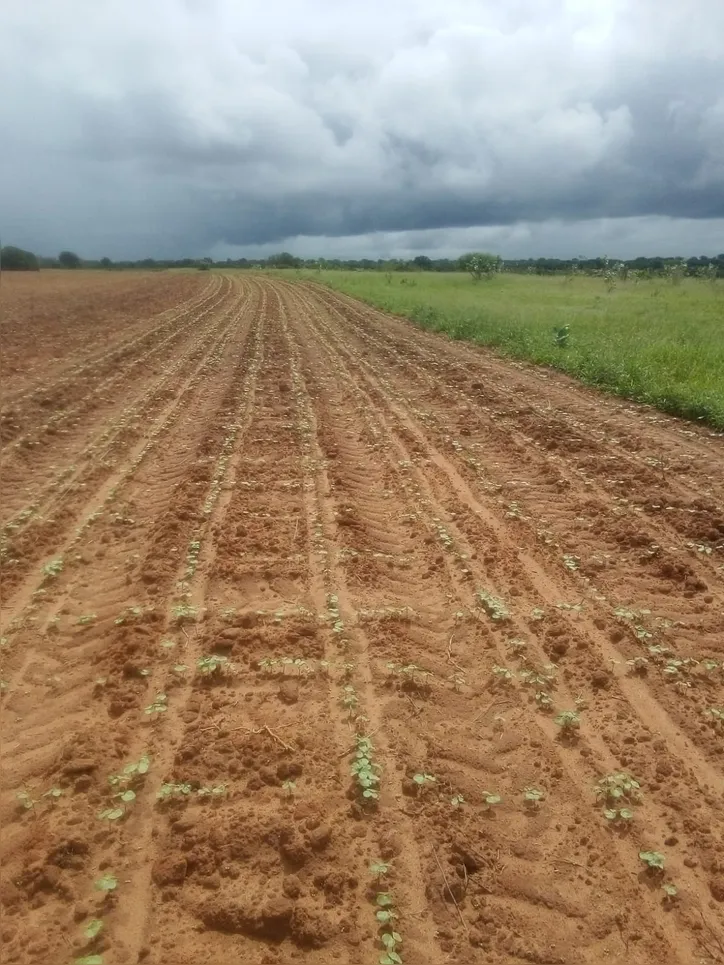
pixel 69 259
pixel 93 928
pixel 618 815
pixel 568 720
pixel 364 769
pixel 532 796
pixel 26 801
pixel 561 336
pixel 653 860
pixel 379 868
pixel 106 883
pixel 423 780
pixel 663 350
pixel 289 787
pixel 213 664
pixel 491 800
pixel 54 567
pixel 16 259
pixel 168 791
pixel 494 607
pixel 480 264
pixel 617 788
pixel 159 705
pixel 89 960
pixel 670 891
pixel 457 800
pixel 410 672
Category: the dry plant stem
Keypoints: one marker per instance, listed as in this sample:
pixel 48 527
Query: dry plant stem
pixel 447 886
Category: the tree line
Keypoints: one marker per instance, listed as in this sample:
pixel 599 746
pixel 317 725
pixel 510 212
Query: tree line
pixel 477 264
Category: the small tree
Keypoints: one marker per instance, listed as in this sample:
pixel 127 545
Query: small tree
pixel 106 263
pixel 69 259
pixel 480 264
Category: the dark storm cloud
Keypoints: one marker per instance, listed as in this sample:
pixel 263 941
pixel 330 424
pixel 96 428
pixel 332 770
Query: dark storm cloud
pixel 174 127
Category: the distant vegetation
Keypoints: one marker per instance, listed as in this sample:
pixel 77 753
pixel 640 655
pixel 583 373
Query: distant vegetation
pixel 15 259
pixel 650 334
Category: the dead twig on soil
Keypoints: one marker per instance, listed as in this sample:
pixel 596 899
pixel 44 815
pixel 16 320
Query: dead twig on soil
pixel 717 939
pixel 447 886
pixel 266 729
pixel 576 864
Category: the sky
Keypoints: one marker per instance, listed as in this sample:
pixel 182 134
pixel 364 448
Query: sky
pixel 388 128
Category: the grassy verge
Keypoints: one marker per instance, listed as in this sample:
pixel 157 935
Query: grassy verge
pixel 651 341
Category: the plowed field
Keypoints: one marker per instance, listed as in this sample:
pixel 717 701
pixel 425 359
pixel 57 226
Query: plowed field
pixel 290 588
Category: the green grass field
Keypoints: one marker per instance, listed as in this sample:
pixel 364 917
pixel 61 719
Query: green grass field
pixel 652 341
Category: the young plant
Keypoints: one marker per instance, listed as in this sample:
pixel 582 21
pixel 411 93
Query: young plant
pixel 379 868
pixel 89 960
pixel 215 791
pixel 168 791
pixel 670 892
pixel 638 666
pixel 617 788
pixel 532 796
pixel 53 568
pixel 131 773
pixel 490 800
pixel 619 816
pixel 544 700
pixel 716 714
pixel 213 664
pixel 494 607
pixel 569 722
pixel 86 618
pixel 349 699
pixel 457 800
pixel 653 860
pixel 423 780
pixel 107 883
pixel 159 705
pixel 93 929
pixel 364 769
pixel 26 801
pixel 289 787
pixel 391 939
pixel 502 674
pixel 184 613
pixel 538 678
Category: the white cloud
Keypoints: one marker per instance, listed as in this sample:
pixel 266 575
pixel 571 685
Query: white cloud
pixel 191 124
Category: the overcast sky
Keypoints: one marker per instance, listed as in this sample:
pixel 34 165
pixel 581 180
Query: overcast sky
pixel 135 128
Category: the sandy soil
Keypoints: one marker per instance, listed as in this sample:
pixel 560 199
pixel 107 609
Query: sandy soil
pixel 374 531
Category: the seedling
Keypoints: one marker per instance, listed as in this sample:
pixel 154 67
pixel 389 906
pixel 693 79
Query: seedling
pixel 93 929
pixel 87 618
pixel 158 706
pixel 532 796
pixel 569 721
pixel 107 883
pixel 289 787
pixel 502 673
pixel 423 780
pixel 184 613
pixel 708 665
pixel 379 868
pixel 615 789
pixel 364 768
pixel 458 680
pixel 494 607
pixel 385 903
pixel 54 567
pixel 131 772
pixel 670 892
pixel 571 562
pixel 173 790
pixel 653 860
pixel 112 814
pixel 213 664
pixel 618 815
pixel 491 800
pixel 544 700
pixel 716 714
pixel 457 800
pixel 130 613
pixel 215 791
pixel 53 794
pixel 349 699
pixel 638 665
pixel 411 672
pixel 89 960
pixel 26 801
pixel 538 678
